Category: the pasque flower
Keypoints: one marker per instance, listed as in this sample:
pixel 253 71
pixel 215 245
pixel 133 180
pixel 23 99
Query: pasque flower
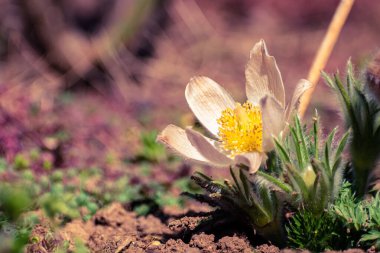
pixel 242 133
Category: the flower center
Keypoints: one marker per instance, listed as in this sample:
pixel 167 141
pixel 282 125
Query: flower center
pixel 241 129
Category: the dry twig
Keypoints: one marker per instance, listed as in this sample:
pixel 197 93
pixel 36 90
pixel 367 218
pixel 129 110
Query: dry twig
pixel 325 50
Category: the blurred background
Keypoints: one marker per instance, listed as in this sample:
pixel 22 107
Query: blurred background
pixel 88 83
pixel 98 72
pixel 80 81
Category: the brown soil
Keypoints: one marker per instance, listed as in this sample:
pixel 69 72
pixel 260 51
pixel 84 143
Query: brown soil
pixel 115 229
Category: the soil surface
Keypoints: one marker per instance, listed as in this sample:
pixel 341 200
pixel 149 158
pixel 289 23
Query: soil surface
pixel 115 229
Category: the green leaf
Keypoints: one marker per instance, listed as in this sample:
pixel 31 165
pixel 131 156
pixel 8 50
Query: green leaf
pixel 277 182
pixel 340 148
pixel 281 151
pixel 327 151
pixel 234 177
pixel 324 186
pixel 246 188
pixel 268 202
pixel 342 91
pixel 330 82
pixel 362 110
pixel 316 135
pixel 299 181
pixel 314 193
pixel 297 148
pixel 372 235
pixel 302 142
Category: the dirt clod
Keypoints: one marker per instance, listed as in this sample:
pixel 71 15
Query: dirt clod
pixel 233 244
pixel 265 248
pixel 204 242
pixel 185 223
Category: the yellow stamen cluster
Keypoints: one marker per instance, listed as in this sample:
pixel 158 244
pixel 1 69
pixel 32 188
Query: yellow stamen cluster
pixel 241 129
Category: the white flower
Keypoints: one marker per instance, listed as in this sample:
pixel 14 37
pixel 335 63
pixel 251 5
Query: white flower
pixel 242 133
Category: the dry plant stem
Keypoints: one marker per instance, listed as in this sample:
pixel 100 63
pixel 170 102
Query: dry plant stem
pixel 325 50
pixel 124 31
pixel 72 52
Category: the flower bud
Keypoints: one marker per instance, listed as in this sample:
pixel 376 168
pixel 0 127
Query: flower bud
pixel 309 176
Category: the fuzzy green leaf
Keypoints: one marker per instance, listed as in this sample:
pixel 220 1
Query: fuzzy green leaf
pixel 277 182
pixel 297 147
pixel 302 142
pixel 236 181
pixel 246 188
pixel 281 151
pixel 327 151
pixel 339 150
pixel 300 183
pixel 316 135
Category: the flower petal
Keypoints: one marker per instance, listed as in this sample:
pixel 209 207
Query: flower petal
pixel 207 148
pixel 302 86
pixel 207 100
pixel 251 160
pixel 273 120
pixel 263 76
pixel 176 139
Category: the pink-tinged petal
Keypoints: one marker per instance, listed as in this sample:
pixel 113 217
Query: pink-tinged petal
pixel 263 76
pixel 251 160
pixel 207 148
pixel 207 100
pixel 273 120
pixel 302 86
pixel 176 139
